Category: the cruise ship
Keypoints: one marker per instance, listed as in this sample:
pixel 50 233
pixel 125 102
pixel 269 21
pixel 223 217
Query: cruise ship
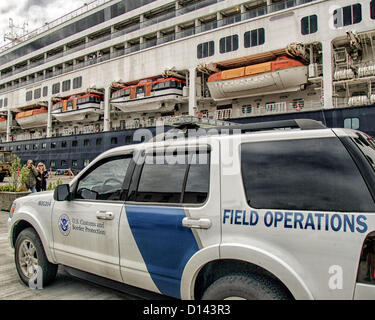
pixel 85 82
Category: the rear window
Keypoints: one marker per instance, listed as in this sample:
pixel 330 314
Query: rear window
pixel 309 174
pixel 367 145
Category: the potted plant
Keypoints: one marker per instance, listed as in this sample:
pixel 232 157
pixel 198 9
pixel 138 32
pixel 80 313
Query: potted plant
pixel 15 188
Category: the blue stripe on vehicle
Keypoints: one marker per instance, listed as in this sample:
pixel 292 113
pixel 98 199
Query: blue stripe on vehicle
pixel 165 245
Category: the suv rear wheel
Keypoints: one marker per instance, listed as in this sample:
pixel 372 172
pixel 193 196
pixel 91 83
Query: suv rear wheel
pixel 245 287
pixel 31 262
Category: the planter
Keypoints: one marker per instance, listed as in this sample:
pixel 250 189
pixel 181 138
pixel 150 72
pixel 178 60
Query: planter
pixel 7 198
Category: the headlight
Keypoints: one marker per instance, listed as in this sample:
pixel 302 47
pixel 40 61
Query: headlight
pixel 12 210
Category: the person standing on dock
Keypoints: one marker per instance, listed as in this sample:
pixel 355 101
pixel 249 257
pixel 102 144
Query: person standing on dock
pixel 31 178
pixel 41 178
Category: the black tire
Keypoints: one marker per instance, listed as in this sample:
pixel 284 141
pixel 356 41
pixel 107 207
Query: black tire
pixel 245 286
pixel 30 239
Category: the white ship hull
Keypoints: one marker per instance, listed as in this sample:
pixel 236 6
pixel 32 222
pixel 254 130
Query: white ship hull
pixel 289 79
pixel 34 121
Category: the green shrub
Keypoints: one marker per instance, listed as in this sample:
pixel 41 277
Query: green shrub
pixel 18 177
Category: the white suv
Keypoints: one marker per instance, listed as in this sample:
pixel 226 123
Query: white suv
pixel 256 213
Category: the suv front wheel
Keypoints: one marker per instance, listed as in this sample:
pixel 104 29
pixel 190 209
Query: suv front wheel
pixel 31 262
pixel 245 287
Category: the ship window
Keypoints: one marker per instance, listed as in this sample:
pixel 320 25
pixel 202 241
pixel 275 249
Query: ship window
pixel 77 83
pixel 98 141
pixel 86 162
pixel 45 91
pixel 229 44
pixel 63 163
pixel 52 163
pixel 206 49
pixel 27 147
pixel 128 139
pixel 56 88
pixel 309 24
pixel 372 9
pixel 5 102
pixel 29 95
pixel 140 89
pixel 351 123
pixel 37 93
pixel 63 144
pixel 1 103
pixel 53 145
pixel 35 146
pixel 86 142
pixel 74 143
pixel 254 38
pixel 114 140
pixel 44 145
pixel 18 148
pixel 74 163
pixel 66 85
pixel 347 15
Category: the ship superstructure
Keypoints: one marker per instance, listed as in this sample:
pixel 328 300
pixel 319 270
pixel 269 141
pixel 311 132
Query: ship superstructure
pixel 116 65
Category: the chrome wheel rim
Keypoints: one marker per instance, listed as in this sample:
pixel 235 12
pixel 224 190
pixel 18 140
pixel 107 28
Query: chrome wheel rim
pixel 28 259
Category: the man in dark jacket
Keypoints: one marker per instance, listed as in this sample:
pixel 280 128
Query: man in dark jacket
pixel 31 178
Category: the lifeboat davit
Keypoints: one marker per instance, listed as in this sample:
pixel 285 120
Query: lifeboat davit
pixel 79 108
pixel 150 95
pixel 32 118
pixel 281 75
pixel 3 123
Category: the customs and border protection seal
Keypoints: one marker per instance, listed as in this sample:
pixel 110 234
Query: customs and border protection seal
pixel 64 225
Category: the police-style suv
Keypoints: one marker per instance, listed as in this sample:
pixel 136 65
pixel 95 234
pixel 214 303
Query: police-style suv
pixel 255 213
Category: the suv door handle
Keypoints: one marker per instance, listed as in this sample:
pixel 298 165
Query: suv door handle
pixel 104 215
pixel 196 223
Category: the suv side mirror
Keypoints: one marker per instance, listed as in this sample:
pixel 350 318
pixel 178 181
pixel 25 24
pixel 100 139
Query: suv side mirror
pixel 62 193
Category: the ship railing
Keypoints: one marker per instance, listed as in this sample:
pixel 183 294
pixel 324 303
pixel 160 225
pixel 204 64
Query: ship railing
pixel 85 8
pixel 150 22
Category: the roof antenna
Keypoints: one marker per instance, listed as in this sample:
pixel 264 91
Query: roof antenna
pixel 13 35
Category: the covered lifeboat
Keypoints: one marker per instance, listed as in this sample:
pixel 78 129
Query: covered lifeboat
pixel 85 107
pixel 33 118
pixel 149 95
pixel 280 75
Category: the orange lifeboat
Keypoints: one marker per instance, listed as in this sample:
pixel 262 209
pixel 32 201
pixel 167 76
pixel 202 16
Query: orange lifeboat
pixel 32 118
pixel 282 74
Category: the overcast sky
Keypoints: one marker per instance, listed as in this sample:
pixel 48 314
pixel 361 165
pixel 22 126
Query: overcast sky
pixel 34 12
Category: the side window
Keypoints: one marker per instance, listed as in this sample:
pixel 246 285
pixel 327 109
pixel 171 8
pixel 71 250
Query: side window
pixel 372 9
pixel 347 16
pixel 351 123
pixel 29 95
pixel 105 181
pixel 188 184
pixel 206 49
pixel 309 24
pixel 254 38
pixel 311 174
pixel 56 88
pixel 229 44
pixel 45 91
